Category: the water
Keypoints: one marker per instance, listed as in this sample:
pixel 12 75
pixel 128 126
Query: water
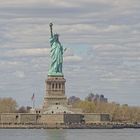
pixel 70 134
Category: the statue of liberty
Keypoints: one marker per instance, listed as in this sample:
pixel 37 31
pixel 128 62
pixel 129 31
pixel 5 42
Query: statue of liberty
pixel 56 55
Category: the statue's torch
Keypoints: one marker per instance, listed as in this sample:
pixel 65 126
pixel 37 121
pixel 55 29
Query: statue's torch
pixel 51 29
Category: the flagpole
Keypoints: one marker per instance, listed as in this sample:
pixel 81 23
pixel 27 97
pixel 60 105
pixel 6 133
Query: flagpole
pixel 33 100
pixel 33 103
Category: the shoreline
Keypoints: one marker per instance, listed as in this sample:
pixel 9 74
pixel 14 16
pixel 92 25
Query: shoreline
pixel 70 126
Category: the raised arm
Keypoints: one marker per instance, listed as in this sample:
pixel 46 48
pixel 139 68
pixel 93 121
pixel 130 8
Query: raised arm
pixel 51 29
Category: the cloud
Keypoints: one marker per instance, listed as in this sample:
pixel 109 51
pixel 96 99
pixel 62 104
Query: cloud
pixel 19 74
pixel 102 41
pixel 73 58
pixel 25 52
pixel 36 2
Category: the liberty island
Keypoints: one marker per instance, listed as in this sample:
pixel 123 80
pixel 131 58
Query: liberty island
pixel 56 112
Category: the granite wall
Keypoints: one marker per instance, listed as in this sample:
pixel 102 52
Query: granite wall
pixel 95 117
pixel 51 118
pixel 26 118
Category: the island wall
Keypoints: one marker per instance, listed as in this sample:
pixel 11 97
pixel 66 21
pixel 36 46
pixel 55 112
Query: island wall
pixel 26 118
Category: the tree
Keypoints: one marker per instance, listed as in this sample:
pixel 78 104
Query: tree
pixel 90 97
pixel 7 105
pixel 86 106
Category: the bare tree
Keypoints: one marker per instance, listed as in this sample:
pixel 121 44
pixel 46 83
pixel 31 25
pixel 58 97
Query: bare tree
pixel 7 105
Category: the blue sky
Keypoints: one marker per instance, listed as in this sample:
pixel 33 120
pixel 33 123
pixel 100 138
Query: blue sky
pixel 102 38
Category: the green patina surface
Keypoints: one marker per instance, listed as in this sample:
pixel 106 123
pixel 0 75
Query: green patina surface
pixel 56 54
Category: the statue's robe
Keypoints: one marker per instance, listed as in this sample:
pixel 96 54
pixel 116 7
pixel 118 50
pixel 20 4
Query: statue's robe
pixel 56 57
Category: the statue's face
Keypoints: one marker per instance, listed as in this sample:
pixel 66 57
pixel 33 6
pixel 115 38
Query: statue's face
pixel 56 36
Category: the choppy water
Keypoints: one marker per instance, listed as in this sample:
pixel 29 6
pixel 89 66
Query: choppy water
pixel 70 134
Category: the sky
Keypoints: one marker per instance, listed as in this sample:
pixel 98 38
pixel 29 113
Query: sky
pixel 102 38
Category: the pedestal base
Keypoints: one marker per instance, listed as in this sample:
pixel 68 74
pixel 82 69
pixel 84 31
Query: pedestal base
pixel 55 92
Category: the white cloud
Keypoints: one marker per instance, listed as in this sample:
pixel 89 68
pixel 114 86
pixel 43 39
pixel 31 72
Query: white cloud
pixel 26 52
pixel 73 58
pixel 19 74
pixel 109 29
pixel 27 3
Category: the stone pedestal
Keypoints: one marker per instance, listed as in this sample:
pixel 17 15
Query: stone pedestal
pixel 55 92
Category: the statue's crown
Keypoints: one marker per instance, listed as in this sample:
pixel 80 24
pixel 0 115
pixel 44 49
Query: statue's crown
pixel 56 34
